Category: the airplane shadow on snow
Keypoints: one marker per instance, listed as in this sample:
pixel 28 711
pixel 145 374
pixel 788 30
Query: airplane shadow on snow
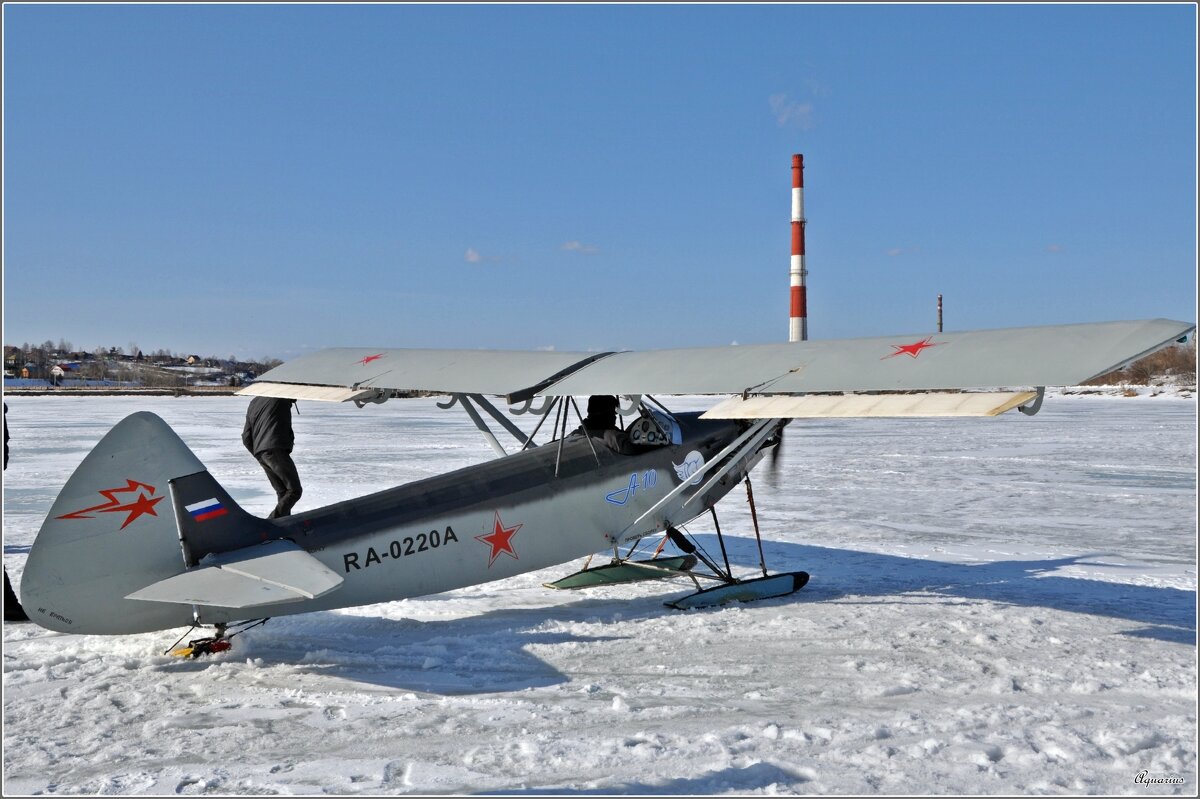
pixel 485 653
pixel 1168 614
pixel 490 652
pixel 738 779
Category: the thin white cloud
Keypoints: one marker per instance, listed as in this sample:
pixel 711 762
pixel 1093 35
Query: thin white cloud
pixel 580 247
pixel 791 113
pixel 472 256
pixel 817 88
pixel 895 251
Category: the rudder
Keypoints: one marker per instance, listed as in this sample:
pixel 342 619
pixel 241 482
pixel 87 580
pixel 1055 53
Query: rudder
pixel 115 529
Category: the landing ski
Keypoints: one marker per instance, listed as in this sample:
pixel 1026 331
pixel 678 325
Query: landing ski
pixel 626 571
pixel 743 591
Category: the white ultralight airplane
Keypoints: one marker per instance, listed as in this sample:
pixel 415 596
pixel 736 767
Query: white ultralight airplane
pixel 143 538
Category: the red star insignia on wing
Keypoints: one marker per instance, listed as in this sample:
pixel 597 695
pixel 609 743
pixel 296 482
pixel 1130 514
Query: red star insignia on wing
pixel 142 505
pixel 500 539
pixel 911 350
pixel 370 358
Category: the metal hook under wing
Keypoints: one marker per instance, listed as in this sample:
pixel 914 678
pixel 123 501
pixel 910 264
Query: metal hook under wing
pixel 527 407
pixel 1031 409
pixel 377 398
pixel 635 401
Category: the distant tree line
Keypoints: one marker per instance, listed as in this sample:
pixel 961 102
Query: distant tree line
pixel 126 364
pixel 1177 361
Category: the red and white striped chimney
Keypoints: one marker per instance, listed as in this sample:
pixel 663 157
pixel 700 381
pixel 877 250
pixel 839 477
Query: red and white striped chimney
pixel 798 330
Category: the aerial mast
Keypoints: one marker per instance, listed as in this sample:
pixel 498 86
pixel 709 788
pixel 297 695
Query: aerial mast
pixel 798 330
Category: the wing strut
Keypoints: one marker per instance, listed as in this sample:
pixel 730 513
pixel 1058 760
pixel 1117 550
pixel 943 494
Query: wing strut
pixel 760 431
pixel 757 430
pixel 545 414
pixel 504 421
pixel 482 426
pixel 477 419
pixel 565 412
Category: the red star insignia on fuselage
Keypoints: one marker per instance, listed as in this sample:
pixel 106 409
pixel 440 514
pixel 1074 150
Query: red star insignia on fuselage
pixel 911 350
pixel 142 505
pixel 370 358
pixel 500 540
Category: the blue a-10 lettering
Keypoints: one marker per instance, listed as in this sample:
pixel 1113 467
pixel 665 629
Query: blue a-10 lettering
pixel 403 548
pixel 648 480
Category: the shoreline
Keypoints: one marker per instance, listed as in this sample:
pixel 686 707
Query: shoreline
pixel 1123 391
pixel 190 391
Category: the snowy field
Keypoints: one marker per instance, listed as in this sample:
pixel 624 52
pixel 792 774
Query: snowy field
pixel 997 606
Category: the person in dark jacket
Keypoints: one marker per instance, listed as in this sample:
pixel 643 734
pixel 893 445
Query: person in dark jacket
pixel 12 606
pixel 601 423
pixel 269 438
pixel 601 414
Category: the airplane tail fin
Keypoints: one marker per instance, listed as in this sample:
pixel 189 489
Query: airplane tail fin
pixel 139 509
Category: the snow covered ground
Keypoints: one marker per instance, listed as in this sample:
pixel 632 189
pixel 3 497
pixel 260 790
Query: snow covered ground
pixel 997 606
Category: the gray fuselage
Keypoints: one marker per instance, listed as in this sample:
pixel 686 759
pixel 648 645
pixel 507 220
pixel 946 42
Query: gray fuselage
pixel 497 519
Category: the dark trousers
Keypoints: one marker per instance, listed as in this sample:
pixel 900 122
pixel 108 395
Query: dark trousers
pixel 12 608
pixel 280 470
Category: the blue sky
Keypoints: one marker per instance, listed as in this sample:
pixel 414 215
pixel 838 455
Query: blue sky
pixel 266 180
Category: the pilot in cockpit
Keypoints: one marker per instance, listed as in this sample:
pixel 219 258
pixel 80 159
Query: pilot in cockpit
pixel 601 414
pixel 601 423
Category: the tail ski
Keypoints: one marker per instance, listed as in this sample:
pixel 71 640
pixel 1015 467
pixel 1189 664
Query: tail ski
pixel 140 510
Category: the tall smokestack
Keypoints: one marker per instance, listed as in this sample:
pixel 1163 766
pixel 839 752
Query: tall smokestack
pixel 798 330
pixel 939 313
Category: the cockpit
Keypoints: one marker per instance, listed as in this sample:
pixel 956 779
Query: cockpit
pixel 653 428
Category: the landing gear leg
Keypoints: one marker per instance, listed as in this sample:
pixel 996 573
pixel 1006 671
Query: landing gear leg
pixel 218 642
pixel 764 587
pixel 204 646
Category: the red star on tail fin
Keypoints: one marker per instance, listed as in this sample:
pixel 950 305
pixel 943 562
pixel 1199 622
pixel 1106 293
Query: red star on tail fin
pixel 142 505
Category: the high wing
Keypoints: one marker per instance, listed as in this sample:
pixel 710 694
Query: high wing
pixel 1056 355
pixel 1061 355
pixel 345 373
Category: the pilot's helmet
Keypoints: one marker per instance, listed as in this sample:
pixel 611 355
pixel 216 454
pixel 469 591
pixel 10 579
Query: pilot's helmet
pixel 602 405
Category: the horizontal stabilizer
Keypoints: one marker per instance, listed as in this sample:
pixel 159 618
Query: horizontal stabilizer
pixel 819 406
pixel 264 574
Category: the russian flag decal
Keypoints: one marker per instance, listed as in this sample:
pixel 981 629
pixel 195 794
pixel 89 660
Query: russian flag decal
pixel 208 509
